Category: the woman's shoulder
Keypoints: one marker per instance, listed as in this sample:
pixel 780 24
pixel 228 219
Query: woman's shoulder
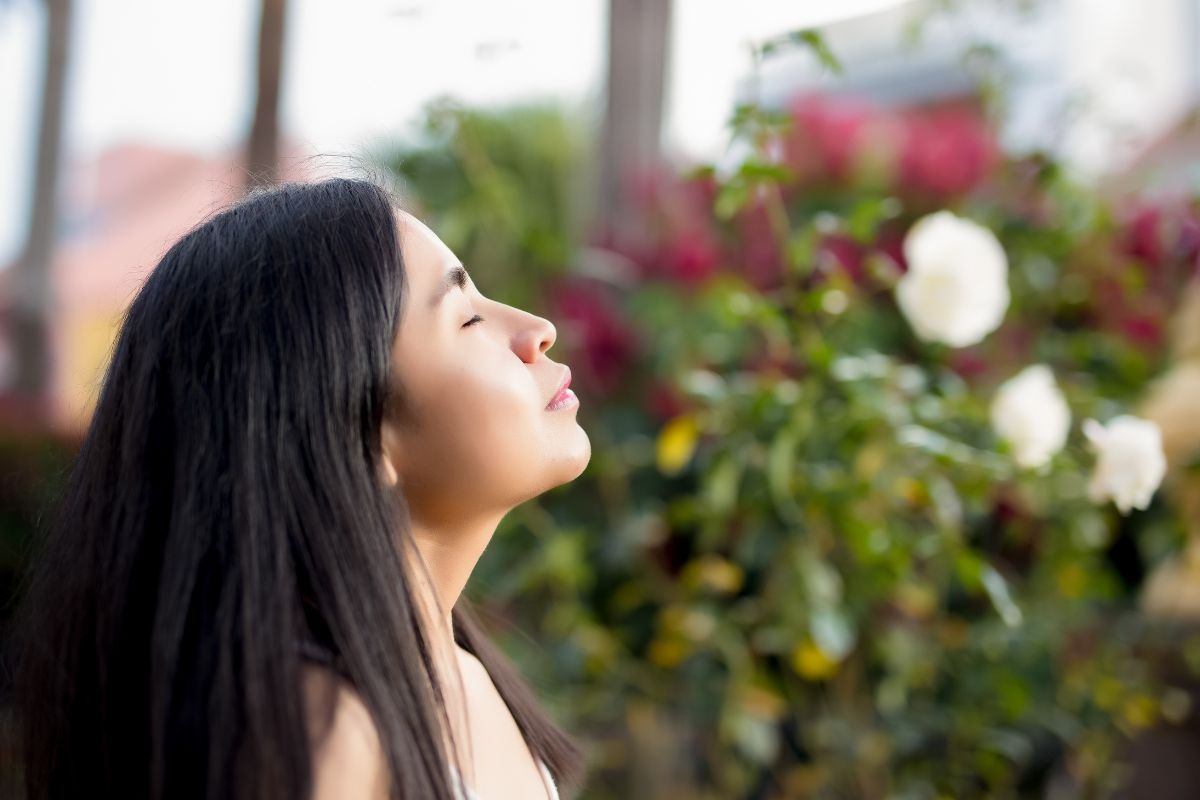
pixel 348 759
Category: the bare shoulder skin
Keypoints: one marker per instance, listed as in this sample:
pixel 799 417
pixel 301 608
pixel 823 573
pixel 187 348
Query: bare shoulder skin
pixel 347 756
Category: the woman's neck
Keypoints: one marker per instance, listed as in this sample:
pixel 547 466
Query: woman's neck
pixel 448 554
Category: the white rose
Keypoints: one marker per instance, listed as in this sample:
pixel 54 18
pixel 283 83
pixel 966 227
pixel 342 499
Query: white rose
pixel 956 287
pixel 1130 463
pixel 1031 414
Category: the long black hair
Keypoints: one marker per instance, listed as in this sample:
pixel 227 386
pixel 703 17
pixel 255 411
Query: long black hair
pixel 225 504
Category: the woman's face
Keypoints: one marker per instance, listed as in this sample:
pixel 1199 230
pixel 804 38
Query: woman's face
pixel 476 436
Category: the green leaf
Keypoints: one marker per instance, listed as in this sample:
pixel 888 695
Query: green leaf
pixel 822 583
pixel 731 197
pixel 757 738
pixel 781 460
pixel 801 250
pixel 721 485
pixel 997 591
pixel 866 216
pixel 765 172
pixel 815 42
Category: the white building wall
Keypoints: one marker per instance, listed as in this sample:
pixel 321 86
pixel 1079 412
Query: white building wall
pixel 1094 81
pixel 1132 66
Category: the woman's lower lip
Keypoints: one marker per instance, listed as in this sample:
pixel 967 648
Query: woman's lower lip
pixel 564 399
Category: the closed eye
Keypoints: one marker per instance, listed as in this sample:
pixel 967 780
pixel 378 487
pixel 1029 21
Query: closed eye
pixel 473 320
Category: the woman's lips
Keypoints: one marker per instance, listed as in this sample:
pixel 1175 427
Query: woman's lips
pixel 564 397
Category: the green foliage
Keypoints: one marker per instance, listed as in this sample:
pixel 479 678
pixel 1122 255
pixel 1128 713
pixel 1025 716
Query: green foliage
pixel 33 462
pixel 823 575
pixel 808 39
pixel 501 188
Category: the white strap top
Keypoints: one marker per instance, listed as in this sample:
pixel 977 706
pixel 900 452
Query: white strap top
pixel 468 793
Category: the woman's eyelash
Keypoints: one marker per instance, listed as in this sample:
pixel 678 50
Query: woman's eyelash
pixel 473 320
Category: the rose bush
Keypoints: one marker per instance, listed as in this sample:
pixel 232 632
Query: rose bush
pixel 840 536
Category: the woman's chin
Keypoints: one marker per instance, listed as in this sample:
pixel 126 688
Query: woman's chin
pixel 569 462
pixel 583 454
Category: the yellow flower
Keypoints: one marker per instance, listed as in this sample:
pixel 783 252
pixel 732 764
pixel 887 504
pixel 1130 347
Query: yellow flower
pixel 676 444
pixel 668 652
pixel 714 573
pixel 811 663
pixel 1140 711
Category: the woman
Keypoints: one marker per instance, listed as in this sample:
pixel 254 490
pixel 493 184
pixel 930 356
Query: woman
pixel 310 427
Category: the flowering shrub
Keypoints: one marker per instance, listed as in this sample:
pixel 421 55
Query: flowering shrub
pixel 864 484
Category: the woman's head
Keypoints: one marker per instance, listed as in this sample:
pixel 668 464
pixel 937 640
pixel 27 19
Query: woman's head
pixel 227 502
pixel 473 435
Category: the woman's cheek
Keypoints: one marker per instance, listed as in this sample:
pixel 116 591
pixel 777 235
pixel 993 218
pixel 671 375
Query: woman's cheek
pixel 490 415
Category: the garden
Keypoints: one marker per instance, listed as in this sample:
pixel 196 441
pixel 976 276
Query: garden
pixel 891 454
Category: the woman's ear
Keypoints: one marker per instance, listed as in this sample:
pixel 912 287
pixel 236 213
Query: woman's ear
pixel 389 461
pixel 388 473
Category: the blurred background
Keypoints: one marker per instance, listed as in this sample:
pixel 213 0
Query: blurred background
pixel 828 545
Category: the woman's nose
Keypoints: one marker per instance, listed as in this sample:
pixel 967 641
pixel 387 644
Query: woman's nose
pixel 534 336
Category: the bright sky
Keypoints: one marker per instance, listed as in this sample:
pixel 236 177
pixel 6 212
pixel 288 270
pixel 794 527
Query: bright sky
pixel 182 74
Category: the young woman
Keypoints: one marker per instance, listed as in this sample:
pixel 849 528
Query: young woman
pixel 310 427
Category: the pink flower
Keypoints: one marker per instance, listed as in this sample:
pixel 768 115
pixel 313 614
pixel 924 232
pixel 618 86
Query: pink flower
pixel 826 134
pixel 946 153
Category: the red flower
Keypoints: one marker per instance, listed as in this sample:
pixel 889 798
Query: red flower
pixel 847 254
pixel 757 252
pixel 890 242
pixel 679 242
pixel 664 401
pixel 1188 245
pixel 596 333
pixel 969 363
pixel 1142 237
pixel 692 258
pixel 1144 331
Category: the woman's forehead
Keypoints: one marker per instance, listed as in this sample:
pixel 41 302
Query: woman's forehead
pixel 424 252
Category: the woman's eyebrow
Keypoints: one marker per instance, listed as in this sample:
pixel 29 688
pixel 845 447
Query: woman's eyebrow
pixel 456 276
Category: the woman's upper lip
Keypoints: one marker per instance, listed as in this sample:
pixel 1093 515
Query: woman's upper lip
pixel 563 384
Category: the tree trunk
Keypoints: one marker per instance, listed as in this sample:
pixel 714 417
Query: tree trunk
pixel 262 155
pixel 638 36
pixel 30 304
